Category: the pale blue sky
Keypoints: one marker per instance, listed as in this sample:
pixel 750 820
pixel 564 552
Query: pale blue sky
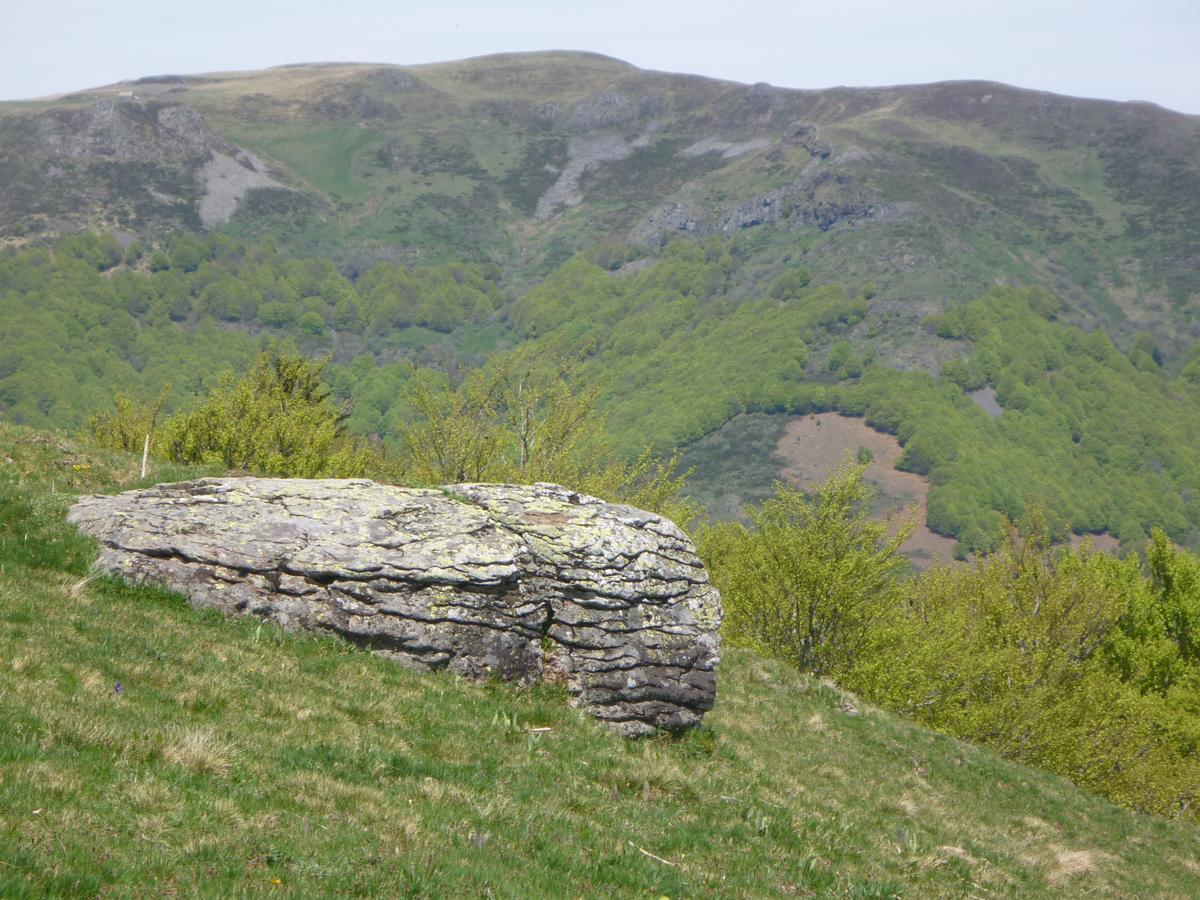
pixel 1138 50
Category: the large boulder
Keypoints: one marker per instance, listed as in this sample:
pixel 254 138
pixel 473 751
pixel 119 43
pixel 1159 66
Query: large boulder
pixel 523 583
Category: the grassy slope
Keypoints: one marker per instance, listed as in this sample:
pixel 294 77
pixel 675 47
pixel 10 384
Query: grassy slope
pixel 241 760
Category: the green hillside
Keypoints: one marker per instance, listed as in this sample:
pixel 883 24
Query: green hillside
pixel 1001 283
pixel 709 248
pixel 1106 440
pixel 237 760
pixel 932 192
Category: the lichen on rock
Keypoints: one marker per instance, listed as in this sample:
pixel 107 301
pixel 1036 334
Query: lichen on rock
pixel 520 582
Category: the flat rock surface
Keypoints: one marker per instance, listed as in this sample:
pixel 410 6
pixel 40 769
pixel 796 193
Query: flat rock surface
pixel 520 582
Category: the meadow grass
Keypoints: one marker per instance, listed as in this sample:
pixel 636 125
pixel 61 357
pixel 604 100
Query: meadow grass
pixel 148 748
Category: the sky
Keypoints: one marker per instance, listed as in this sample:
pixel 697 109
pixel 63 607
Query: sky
pixel 1139 50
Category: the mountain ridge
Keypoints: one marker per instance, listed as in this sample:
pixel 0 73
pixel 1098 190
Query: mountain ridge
pixel 589 55
pixel 547 154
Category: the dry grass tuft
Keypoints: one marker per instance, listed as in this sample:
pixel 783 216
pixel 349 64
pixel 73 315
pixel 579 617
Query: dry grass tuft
pixel 200 751
pixel 1070 863
pixel 77 588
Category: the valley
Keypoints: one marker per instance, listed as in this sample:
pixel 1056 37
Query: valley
pixel 557 266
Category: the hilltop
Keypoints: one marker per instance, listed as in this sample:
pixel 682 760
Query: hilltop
pixel 144 742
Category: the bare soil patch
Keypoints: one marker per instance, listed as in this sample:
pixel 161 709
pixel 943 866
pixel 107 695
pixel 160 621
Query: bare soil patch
pixel 813 446
pixel 985 398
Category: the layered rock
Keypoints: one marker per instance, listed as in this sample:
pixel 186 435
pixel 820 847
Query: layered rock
pixel 523 583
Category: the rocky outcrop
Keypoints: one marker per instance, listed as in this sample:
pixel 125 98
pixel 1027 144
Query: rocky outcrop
pixel 607 109
pixel 398 80
pixel 227 179
pixel 523 583
pixel 727 149
pixel 140 164
pixel 821 200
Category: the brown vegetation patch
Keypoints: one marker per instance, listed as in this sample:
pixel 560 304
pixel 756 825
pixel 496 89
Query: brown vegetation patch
pixel 1103 542
pixel 813 446
pixel 1068 863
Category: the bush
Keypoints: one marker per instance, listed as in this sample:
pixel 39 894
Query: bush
pixel 810 580
pixel 1059 658
pixel 791 284
pixel 128 424
pixel 527 418
pixel 312 324
pixel 277 420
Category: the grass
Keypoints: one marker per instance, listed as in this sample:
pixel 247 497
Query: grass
pixel 326 156
pixel 235 759
pixel 735 465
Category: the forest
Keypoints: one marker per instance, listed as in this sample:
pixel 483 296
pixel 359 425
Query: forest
pixel 1106 439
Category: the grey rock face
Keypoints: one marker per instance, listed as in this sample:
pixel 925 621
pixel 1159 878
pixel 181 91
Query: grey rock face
pixel 605 110
pixel 145 164
pixel 398 80
pixel 524 583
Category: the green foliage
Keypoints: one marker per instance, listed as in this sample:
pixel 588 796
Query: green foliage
pixel 676 358
pixel 1066 659
pixel 808 581
pixel 276 420
pixel 1157 645
pixel 845 361
pixel 526 417
pixel 100 251
pixel 791 284
pixel 312 324
pixel 1104 444
pixel 1053 657
pixel 1107 441
pixel 128 424
pixel 456 436
pixel 441 298
pixel 72 336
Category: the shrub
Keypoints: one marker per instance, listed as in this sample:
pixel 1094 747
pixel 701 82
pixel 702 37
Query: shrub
pixel 809 581
pixel 791 284
pixel 276 420
pixel 528 418
pixel 128 424
pixel 1054 657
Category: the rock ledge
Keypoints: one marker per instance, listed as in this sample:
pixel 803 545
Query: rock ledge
pixel 523 583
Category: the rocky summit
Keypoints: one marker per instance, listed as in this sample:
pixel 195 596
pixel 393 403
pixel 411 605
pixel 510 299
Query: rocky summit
pixel 524 583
